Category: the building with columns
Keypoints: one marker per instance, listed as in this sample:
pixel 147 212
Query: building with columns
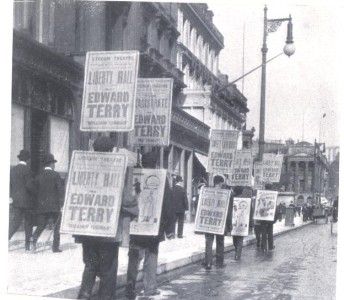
pixel 208 96
pixel 304 170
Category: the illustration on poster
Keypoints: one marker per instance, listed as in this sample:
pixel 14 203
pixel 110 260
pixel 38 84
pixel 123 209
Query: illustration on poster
pixel 265 207
pixel 240 214
pixel 148 203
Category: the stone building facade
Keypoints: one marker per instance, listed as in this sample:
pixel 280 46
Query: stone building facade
pixel 52 37
pixel 208 96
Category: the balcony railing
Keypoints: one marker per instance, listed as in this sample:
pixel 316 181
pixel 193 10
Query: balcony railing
pixel 191 123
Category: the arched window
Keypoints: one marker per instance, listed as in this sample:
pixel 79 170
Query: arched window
pixel 206 55
pixel 180 25
pixel 200 48
pixel 152 35
pixel 216 64
pixel 211 61
pixel 186 32
pixel 193 40
pixel 186 75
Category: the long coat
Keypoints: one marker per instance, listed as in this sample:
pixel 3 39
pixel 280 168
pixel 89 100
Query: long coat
pixel 20 175
pixel 180 199
pixel 49 191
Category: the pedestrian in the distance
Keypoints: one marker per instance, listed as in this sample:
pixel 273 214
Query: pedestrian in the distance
pixel 49 191
pixel 147 247
pixel 258 233
pixel 280 213
pixel 304 212
pixel 180 201
pixel 100 254
pixel 209 238
pixel 292 205
pixel 22 202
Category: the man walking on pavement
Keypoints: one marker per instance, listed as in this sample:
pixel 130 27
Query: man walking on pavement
pixel 100 254
pixel 209 238
pixel 49 192
pixel 180 201
pixel 238 240
pixel 267 229
pixel 22 202
pixel 148 246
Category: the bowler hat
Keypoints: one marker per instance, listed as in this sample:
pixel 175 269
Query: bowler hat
pixel 103 144
pixel 24 155
pixel 179 178
pixel 49 158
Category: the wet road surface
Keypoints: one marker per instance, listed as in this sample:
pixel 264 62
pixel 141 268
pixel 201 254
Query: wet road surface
pixel 302 266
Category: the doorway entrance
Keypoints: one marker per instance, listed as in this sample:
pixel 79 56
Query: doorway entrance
pixel 39 139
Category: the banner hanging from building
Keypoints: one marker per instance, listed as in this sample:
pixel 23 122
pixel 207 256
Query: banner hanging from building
pixel 108 102
pixel 223 145
pixel 94 193
pixel 241 216
pixel 153 112
pixel 241 173
pixel 149 185
pixel 212 210
pixel 265 206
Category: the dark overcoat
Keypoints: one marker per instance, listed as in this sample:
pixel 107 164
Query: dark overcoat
pixel 20 175
pixel 49 191
pixel 180 199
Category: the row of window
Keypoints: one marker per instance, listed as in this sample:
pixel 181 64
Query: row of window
pixel 195 43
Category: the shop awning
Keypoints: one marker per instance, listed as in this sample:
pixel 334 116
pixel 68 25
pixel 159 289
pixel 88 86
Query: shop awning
pixel 199 166
pixel 202 159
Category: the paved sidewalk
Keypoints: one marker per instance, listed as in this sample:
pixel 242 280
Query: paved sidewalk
pixel 47 273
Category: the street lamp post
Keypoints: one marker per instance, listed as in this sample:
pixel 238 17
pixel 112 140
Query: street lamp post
pixel 271 25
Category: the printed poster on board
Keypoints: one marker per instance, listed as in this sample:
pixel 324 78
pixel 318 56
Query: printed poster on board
pixel 153 112
pixel 149 186
pixel 108 102
pixel 241 173
pixel 241 216
pixel 94 193
pixel 272 167
pixel 265 206
pixel 212 210
pixel 223 145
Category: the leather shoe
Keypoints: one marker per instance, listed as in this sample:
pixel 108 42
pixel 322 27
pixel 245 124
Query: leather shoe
pixel 57 250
